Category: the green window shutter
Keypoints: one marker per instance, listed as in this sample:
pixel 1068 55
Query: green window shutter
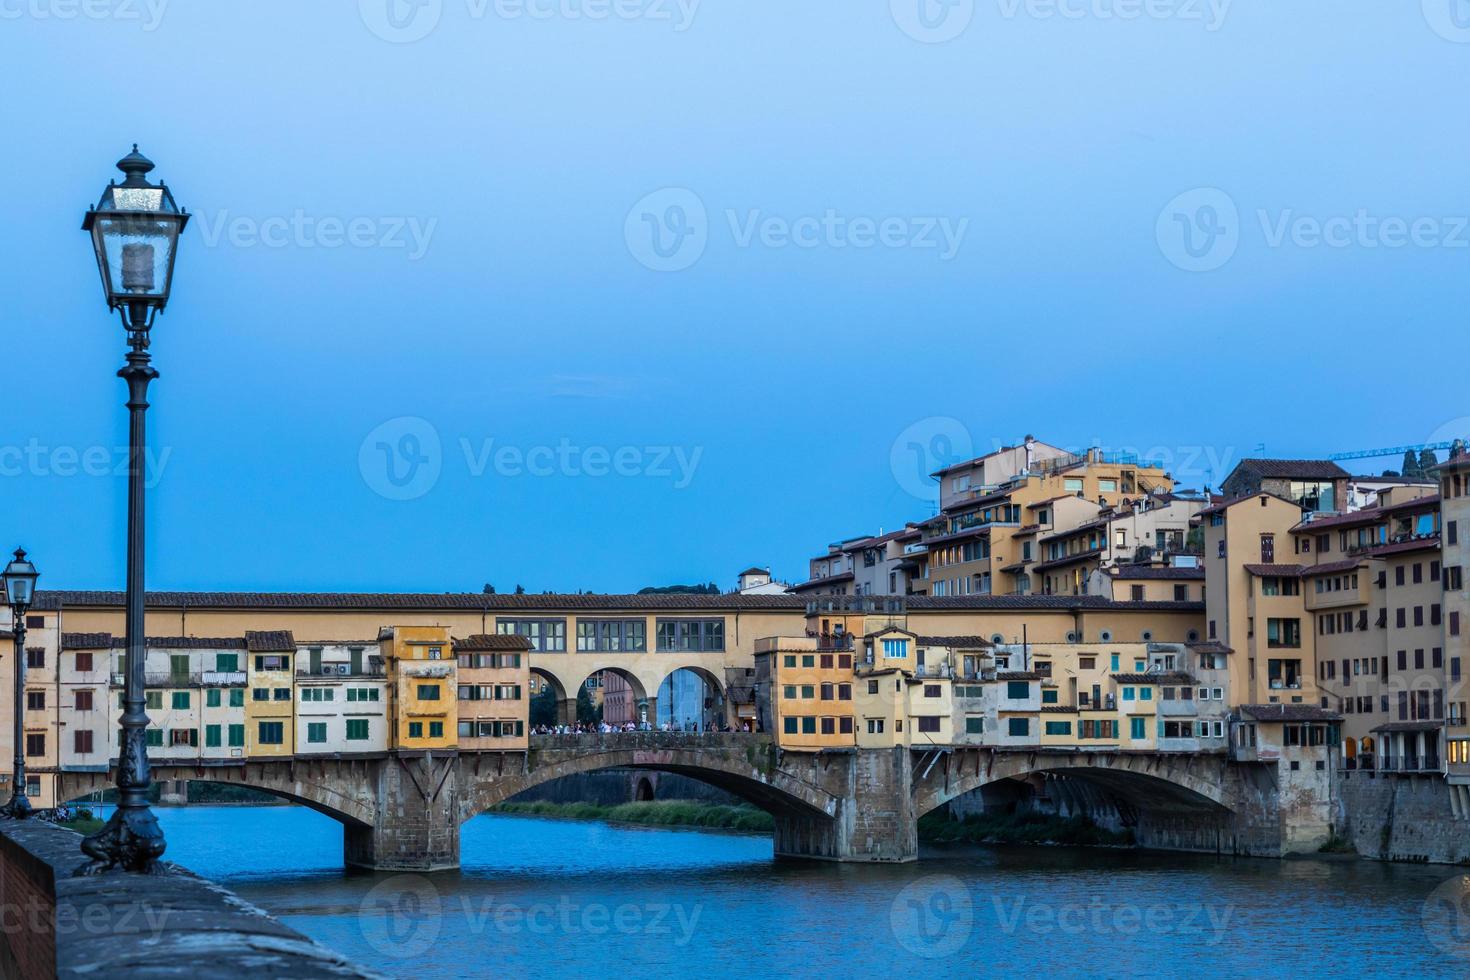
pixel 181 699
pixel 211 736
pixel 237 736
pixel 211 698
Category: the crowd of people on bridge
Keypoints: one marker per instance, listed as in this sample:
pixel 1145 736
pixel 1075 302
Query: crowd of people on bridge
pixel 606 728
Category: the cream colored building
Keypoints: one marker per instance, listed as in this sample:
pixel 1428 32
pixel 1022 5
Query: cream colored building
pixel 977 544
pixel 341 699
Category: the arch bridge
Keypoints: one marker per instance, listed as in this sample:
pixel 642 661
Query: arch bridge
pixel 404 810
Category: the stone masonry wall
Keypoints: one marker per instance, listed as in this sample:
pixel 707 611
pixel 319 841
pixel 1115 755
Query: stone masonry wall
pixel 417 826
pixel 53 923
pixel 1406 818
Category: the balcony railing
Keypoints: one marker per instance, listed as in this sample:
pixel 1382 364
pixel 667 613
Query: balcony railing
pixel 1410 763
pixel 194 678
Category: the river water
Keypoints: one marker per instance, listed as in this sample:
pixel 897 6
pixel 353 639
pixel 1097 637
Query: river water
pixel 548 897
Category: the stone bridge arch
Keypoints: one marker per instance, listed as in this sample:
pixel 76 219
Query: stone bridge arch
pixel 340 789
pixel 740 765
pixel 1147 780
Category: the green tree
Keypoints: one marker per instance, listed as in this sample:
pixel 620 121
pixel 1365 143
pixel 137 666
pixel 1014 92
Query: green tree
pixel 520 589
pixel 1427 461
pixel 1410 468
pixel 543 707
pixel 587 712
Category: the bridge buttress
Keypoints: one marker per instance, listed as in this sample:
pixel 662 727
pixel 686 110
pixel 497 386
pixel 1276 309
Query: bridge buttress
pixel 876 819
pixel 417 825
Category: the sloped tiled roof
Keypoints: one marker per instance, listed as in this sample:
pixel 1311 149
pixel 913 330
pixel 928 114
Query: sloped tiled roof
pixel 1275 571
pixel 1127 572
pixel 549 602
pixel 498 641
pixel 1289 712
pixel 270 641
pixel 108 641
pixel 955 642
pixel 1159 677
pixel 1294 469
pixel 86 641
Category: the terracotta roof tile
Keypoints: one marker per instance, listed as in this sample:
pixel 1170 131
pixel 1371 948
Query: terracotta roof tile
pixel 270 641
pixel 498 641
pixel 955 642
pixel 1289 712
pixel 1294 469
pixel 1276 571
pixel 548 602
pixel 1127 572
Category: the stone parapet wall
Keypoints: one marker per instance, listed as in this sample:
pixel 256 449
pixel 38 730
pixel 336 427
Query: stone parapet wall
pixel 53 923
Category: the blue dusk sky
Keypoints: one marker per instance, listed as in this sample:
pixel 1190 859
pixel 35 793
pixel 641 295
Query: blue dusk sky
pixel 616 293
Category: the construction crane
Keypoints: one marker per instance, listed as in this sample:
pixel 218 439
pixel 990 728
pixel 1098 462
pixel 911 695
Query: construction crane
pixel 1395 450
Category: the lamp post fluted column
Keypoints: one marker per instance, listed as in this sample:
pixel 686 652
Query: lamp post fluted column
pixel 132 838
pixel 135 232
pixel 19 806
pixel 20 590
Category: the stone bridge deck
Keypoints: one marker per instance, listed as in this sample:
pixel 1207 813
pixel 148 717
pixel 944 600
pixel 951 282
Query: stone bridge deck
pixel 404 810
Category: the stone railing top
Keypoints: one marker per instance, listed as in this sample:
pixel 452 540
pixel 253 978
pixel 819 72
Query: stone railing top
pixel 660 740
pixel 115 925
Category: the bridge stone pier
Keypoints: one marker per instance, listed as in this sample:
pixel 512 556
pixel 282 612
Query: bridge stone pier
pixel 403 811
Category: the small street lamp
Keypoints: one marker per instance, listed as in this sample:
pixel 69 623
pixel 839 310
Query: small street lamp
pixel 135 232
pixel 20 587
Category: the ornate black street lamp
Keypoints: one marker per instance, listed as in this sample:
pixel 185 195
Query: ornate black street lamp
pixel 20 587
pixel 135 232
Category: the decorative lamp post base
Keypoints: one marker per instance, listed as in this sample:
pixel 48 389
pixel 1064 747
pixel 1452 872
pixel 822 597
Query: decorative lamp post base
pixel 19 808
pixel 131 841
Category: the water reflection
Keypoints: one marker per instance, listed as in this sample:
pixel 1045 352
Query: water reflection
pixel 537 897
